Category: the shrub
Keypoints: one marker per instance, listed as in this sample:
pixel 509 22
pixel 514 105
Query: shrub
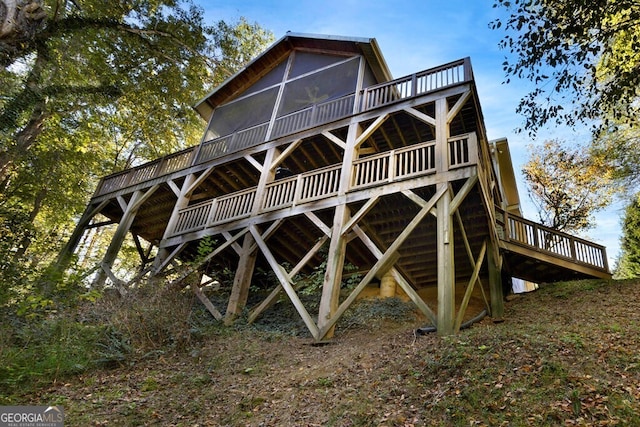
pixel 37 351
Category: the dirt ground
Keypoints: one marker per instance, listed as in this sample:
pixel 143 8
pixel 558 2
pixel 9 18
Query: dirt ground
pixel 541 366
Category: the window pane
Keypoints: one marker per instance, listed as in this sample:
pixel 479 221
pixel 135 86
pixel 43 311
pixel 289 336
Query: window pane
pixel 242 114
pixel 320 87
pixel 305 62
pixel 271 78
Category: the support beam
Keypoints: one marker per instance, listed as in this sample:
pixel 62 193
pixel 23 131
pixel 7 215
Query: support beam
pixel 338 245
pixel 271 299
pixel 167 259
pixel 273 164
pixel 206 301
pixel 371 129
pixel 360 214
pixel 182 201
pixel 195 183
pixel 421 116
pixel 413 296
pixel 65 254
pixel 117 283
pixel 126 221
pixel 470 286
pixel 193 267
pixel 318 223
pixel 471 259
pixel 495 284
pixel 406 287
pixel 333 274
pixel 464 191
pixel 444 228
pixel 446 269
pixel 458 106
pixel 384 262
pixel 241 280
pixel 235 246
pixel 331 137
pixel 259 167
pixel 285 281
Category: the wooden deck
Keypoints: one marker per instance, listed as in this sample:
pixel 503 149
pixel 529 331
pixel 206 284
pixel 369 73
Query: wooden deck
pixel 377 170
pixel 396 179
pixel 522 240
pixel 371 98
pixel 538 253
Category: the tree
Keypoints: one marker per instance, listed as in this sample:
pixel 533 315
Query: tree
pixel 629 262
pixel 90 87
pixel 567 185
pixel 153 57
pixel 584 58
pixel 619 149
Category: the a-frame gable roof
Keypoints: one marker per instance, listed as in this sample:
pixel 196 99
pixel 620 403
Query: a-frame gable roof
pixel 274 55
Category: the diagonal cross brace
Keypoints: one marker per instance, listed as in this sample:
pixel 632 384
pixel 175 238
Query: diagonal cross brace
pixel 285 281
pixel 383 262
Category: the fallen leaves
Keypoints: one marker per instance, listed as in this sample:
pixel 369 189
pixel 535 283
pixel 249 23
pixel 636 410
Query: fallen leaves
pixel 534 369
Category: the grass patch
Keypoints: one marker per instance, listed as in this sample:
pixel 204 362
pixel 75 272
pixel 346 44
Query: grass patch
pixel 565 355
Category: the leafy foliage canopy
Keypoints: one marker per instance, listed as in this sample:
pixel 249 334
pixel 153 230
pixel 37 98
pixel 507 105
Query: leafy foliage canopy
pixel 583 56
pixel 567 185
pixel 89 88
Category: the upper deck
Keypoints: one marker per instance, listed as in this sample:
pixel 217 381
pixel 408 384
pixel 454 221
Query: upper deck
pixel 255 138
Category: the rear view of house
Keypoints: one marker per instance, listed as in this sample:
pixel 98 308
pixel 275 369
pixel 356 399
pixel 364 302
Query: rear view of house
pixel 313 155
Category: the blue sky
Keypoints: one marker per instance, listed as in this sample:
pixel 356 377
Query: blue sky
pixel 414 35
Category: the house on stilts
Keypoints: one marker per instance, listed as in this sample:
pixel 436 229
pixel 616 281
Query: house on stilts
pixel 314 155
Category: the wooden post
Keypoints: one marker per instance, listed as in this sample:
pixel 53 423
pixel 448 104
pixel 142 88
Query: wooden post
pixel 242 279
pixel 446 268
pixel 249 254
pixel 330 299
pixel 495 283
pixel 110 256
pixel 333 275
pixel 182 201
pixel 65 254
pixel 195 287
pixel 444 228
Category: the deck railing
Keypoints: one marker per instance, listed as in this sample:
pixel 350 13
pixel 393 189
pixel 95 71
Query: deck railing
pixel 547 240
pixel 411 161
pixel 394 165
pixel 145 172
pixel 372 97
pixel 234 142
pixel 313 116
pixel 379 169
pixel 417 84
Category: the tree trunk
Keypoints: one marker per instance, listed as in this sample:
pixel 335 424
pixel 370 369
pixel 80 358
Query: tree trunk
pixel 29 101
pixel 28 237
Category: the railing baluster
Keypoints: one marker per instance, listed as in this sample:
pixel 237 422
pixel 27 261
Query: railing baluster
pixel 545 239
pixel 372 97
